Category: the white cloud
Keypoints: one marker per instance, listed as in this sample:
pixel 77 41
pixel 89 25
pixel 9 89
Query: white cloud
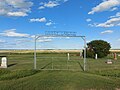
pixel 51 4
pixel 117 15
pixel 41 7
pixel 107 32
pixel 105 5
pixel 38 19
pixel 113 9
pixel 92 25
pixel 22 40
pixel 118 40
pixel 49 23
pixel 2 41
pixel 32 36
pixel 67 37
pixel 110 23
pixel 13 33
pixel 47 37
pixel 44 40
pixel 15 7
pixel 22 43
pixel 118 24
pixel 88 20
pixel 17 14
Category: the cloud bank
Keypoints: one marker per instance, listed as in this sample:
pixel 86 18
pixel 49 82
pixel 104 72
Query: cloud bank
pixel 13 33
pixel 107 32
pixel 16 8
pixel 38 19
pixel 105 5
pixel 51 4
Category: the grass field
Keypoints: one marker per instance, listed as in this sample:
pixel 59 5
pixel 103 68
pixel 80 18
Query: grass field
pixel 70 76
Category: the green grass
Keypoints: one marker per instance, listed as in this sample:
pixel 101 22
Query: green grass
pixel 9 75
pixel 21 76
pixel 59 80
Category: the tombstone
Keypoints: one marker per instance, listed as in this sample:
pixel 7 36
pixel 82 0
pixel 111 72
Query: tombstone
pixel 109 61
pixel 115 56
pixel 96 56
pixel 68 56
pixel 4 62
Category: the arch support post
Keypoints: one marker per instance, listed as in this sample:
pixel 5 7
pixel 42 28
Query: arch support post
pixel 84 39
pixel 35 40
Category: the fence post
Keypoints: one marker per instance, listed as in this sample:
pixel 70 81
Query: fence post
pixel 35 54
pixel 52 63
pixel 67 64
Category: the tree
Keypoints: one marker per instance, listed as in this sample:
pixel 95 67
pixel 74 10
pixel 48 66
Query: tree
pixel 99 47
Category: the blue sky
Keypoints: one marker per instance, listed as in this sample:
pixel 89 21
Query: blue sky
pixel 20 20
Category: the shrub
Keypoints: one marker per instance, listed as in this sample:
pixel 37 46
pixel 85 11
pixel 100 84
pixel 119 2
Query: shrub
pixel 99 47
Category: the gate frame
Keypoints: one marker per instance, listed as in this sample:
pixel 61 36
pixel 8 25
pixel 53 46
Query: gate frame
pixel 72 36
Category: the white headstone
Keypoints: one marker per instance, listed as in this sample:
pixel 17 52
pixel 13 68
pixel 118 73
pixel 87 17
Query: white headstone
pixel 96 56
pixel 4 62
pixel 68 56
pixel 109 62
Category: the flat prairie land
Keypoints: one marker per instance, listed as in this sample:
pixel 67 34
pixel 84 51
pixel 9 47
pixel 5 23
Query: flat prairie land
pixel 50 51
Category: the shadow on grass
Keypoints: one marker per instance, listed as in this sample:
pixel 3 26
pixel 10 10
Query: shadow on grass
pixel 46 65
pixel 12 64
pixel 81 66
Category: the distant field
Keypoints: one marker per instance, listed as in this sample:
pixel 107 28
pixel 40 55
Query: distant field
pixel 39 51
pixel 48 51
pixel 62 74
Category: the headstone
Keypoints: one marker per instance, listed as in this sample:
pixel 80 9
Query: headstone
pixel 115 56
pixel 68 56
pixel 4 62
pixel 119 55
pixel 109 61
pixel 96 56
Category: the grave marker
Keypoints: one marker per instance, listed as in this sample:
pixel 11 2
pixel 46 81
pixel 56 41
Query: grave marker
pixel 4 62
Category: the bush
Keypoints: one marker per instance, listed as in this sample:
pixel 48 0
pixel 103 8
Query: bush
pixel 99 47
pixel 89 54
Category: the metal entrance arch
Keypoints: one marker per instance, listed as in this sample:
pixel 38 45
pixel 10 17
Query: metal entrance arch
pixel 60 34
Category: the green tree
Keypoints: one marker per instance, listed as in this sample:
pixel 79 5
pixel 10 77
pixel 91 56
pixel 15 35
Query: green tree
pixel 99 47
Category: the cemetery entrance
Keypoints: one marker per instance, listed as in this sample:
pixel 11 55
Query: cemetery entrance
pixel 59 59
